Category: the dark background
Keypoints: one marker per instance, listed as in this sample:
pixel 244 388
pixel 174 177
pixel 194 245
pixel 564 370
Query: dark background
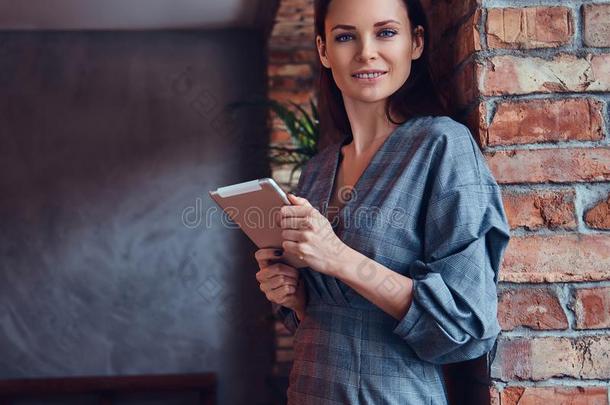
pixel 110 262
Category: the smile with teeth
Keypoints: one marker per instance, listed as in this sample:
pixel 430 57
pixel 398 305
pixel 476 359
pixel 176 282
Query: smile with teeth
pixel 368 75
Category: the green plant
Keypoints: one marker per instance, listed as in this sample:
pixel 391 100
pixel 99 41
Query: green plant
pixel 303 127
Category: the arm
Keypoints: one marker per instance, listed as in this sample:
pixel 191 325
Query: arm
pixel 447 312
pixel 390 291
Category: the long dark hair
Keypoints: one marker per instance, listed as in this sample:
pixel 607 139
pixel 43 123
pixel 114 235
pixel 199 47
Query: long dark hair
pixel 419 95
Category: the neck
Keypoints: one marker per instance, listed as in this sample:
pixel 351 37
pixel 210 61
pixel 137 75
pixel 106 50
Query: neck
pixel 369 123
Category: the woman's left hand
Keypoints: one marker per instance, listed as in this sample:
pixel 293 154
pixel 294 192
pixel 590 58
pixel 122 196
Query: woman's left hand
pixel 309 235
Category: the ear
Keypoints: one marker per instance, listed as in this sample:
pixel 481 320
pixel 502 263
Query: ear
pixel 418 42
pixel 322 51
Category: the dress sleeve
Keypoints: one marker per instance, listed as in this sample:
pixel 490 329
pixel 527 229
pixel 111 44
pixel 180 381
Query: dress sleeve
pixel 453 314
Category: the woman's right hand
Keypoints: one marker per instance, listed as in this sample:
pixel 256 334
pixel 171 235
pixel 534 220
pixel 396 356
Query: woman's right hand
pixel 280 282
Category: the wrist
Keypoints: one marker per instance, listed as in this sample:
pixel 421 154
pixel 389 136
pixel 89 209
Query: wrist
pixel 337 263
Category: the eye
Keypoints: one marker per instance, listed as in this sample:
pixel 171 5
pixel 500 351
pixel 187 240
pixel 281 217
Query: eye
pixel 342 37
pixel 388 31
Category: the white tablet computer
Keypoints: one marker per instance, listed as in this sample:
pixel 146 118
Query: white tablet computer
pixel 255 206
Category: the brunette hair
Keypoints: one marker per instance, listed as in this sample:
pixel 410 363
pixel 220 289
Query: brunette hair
pixel 417 97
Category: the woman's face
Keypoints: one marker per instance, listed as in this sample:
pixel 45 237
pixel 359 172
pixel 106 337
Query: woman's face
pixel 369 35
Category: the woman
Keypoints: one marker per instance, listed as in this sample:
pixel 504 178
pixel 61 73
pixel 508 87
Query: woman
pixel 399 225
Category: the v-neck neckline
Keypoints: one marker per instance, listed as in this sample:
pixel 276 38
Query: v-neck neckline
pixel 337 158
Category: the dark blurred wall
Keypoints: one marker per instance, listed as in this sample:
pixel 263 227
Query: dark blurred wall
pixel 109 261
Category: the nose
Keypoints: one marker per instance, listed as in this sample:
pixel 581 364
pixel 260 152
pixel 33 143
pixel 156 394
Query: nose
pixel 367 50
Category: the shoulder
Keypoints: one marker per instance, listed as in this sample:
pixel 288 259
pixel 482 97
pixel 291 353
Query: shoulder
pixel 456 159
pixel 446 135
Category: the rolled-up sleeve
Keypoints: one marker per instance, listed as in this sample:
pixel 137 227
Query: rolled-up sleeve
pixel 453 314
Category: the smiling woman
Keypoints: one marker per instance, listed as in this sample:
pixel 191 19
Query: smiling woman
pixel 401 60
pixel 386 300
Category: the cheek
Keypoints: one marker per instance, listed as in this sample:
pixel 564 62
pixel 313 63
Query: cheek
pixel 340 60
pixel 403 71
pixel 340 57
pixel 401 63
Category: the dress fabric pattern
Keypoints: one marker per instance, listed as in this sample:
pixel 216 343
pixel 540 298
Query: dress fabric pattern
pixel 427 207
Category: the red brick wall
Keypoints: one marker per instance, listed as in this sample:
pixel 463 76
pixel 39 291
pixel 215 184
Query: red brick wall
pixel 533 83
pixel 543 79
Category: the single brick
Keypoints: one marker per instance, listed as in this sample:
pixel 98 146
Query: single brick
pixel 533 121
pixel 294 29
pixel 299 70
pixel 294 83
pixel 592 308
pixel 291 41
pixel 284 342
pixel 295 12
pixel 535 308
pixel 550 165
pixel 554 396
pixel 557 258
pixel 305 55
pixel 284 355
pixel 598 217
pixel 299 97
pixel 527 28
pixel 279 56
pixel 596 19
pixel 280 136
pixel 539 209
pixel 508 74
pixel 280 328
pixel 541 358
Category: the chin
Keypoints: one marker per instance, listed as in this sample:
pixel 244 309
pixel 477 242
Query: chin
pixel 370 96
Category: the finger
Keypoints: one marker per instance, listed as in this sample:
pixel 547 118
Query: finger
pixel 277 282
pixel 298 200
pixel 267 253
pixel 295 211
pixel 280 293
pixel 296 223
pixel 270 261
pixel 293 235
pixel 289 300
pixel 276 269
pixel 292 247
pixel 281 280
pixel 266 263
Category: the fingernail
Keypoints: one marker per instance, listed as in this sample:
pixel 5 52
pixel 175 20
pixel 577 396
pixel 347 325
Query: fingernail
pixel 277 252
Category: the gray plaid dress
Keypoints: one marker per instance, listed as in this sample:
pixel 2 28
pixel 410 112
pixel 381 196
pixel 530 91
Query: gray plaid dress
pixel 428 207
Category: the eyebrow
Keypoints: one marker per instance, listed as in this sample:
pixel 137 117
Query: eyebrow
pixel 351 27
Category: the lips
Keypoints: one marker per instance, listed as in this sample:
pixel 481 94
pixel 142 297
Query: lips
pixel 368 72
pixel 370 78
